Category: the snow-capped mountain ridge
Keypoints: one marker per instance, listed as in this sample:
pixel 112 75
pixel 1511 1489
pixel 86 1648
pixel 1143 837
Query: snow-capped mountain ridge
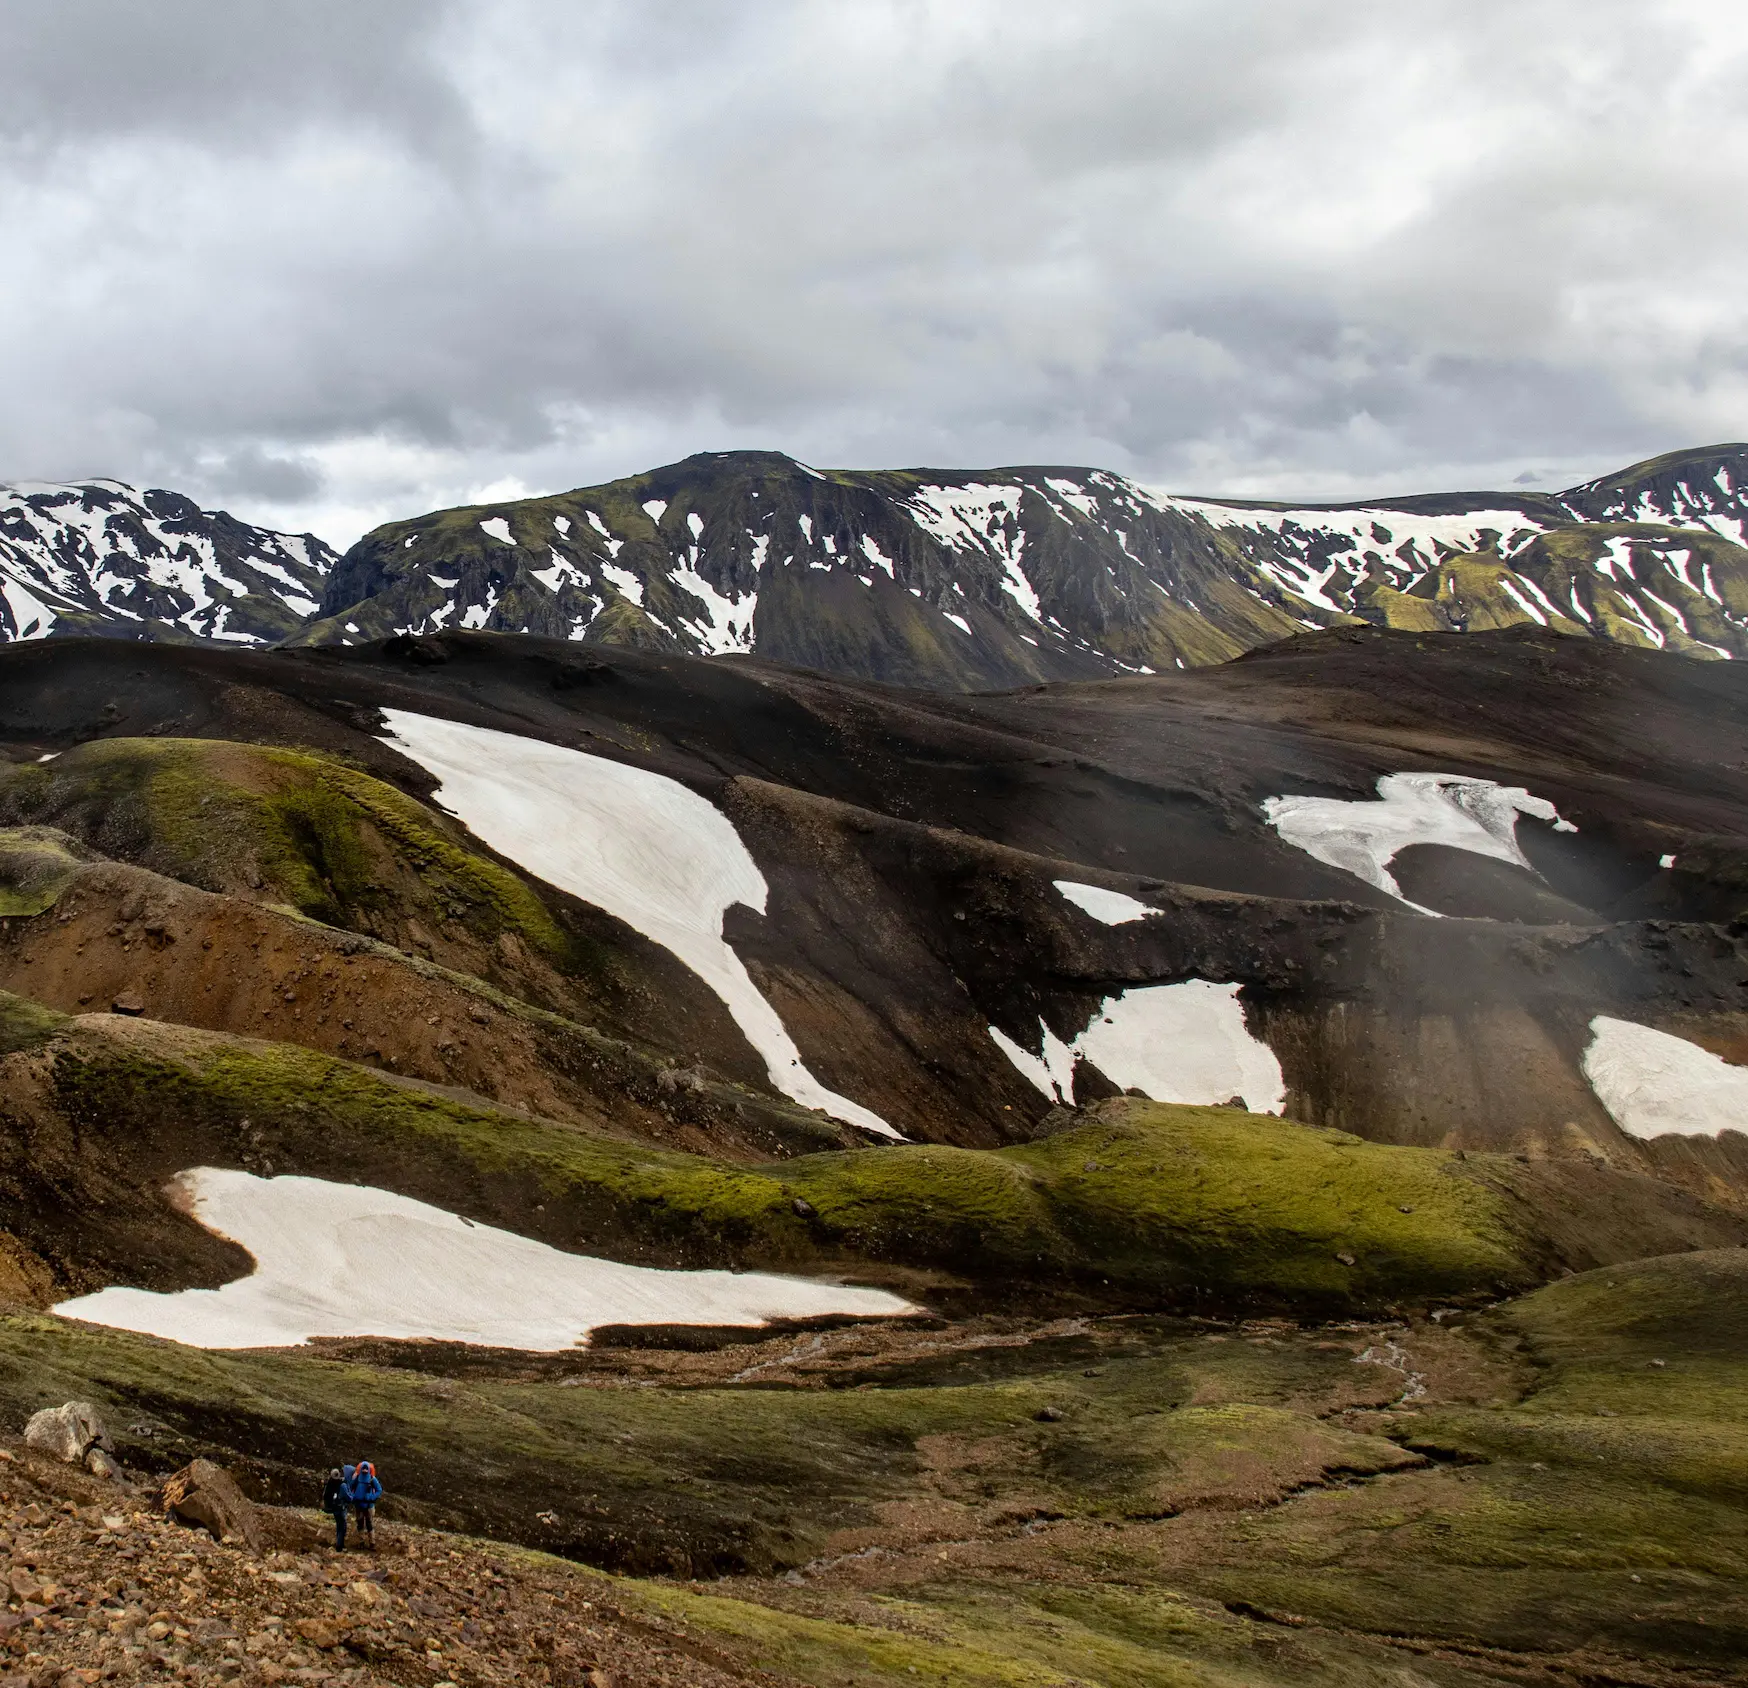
pixel 1000 577
pixel 104 557
pixel 939 578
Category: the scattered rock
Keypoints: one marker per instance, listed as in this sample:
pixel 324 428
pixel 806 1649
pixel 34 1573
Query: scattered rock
pixel 69 1433
pixel 204 1494
pixel 1346 1259
pixel 804 1208
pixel 1049 1415
pixel 129 1002
pixel 320 1632
pixel 101 1464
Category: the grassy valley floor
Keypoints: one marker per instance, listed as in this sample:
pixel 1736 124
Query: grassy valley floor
pixel 1550 1491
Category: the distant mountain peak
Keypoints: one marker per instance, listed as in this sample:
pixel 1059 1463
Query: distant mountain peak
pixel 101 556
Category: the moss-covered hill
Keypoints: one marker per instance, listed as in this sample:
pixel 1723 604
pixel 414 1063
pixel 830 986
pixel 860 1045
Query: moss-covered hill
pixel 1137 1203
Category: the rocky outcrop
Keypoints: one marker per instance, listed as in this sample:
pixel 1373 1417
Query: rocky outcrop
pixel 74 1433
pixel 204 1495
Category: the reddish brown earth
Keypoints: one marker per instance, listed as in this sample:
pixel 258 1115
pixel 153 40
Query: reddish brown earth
pixel 127 940
pixel 101 1586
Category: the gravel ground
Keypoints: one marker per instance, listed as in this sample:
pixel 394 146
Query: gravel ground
pixel 100 1586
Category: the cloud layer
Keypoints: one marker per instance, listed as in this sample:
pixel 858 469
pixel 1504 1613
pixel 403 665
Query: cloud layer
pixel 328 263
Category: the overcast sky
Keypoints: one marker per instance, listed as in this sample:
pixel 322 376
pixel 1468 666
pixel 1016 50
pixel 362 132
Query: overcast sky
pixel 324 262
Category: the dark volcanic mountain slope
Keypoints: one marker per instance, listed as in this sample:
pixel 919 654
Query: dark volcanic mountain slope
pixel 993 578
pixel 1704 488
pixel 109 559
pixel 970 905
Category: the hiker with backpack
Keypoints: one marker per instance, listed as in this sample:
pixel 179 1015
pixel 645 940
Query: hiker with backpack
pixel 334 1500
pixel 364 1491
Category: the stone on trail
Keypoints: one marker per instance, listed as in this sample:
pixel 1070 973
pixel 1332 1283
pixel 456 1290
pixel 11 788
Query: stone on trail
pixel 73 1433
pixel 202 1493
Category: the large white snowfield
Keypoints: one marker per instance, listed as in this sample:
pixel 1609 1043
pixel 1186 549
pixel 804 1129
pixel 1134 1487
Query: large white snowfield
pixel 644 847
pixel 345 1260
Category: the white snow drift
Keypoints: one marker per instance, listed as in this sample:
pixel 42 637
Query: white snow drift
pixel 641 846
pixel 340 1260
pixel 1449 809
pixel 1114 908
pixel 1654 1083
pixel 1175 1043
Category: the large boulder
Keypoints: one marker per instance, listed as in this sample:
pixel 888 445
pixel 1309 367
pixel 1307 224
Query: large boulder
pixel 203 1494
pixel 73 1433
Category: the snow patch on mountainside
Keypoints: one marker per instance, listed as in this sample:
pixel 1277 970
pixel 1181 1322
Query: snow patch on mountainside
pixel 1175 1043
pixel 1451 809
pixel 627 583
pixel 1655 1084
pixel 645 848
pixel 1052 1071
pixel 1361 529
pixel 980 517
pixel 346 1260
pixel 1114 908
pixel 728 622
pixel 1317 553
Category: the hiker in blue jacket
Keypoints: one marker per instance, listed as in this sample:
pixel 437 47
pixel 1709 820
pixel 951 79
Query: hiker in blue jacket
pixel 364 1491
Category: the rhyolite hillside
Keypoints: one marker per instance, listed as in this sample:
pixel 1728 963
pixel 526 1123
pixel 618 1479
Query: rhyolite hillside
pixel 1406 886
pixel 1236 1176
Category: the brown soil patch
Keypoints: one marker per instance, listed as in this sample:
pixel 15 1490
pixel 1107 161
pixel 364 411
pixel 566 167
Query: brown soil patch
pixel 128 940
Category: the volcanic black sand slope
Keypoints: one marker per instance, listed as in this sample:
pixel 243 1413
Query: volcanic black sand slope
pixel 1101 1084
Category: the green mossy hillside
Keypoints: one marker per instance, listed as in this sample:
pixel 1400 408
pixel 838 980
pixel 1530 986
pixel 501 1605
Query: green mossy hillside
pixel 1144 1200
pixel 25 1024
pixel 731 1476
pixel 1606 1510
pixel 293 827
pixel 37 863
pixel 1170 1198
pixel 1117 1502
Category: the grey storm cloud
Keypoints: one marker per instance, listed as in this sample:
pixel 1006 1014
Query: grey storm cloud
pixel 327 263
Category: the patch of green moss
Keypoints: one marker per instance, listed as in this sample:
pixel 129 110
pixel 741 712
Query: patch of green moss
pixel 1404 610
pixel 453 874
pixel 25 1024
pixel 1172 1198
pixel 37 863
pixel 309 831
pixel 1604 1511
